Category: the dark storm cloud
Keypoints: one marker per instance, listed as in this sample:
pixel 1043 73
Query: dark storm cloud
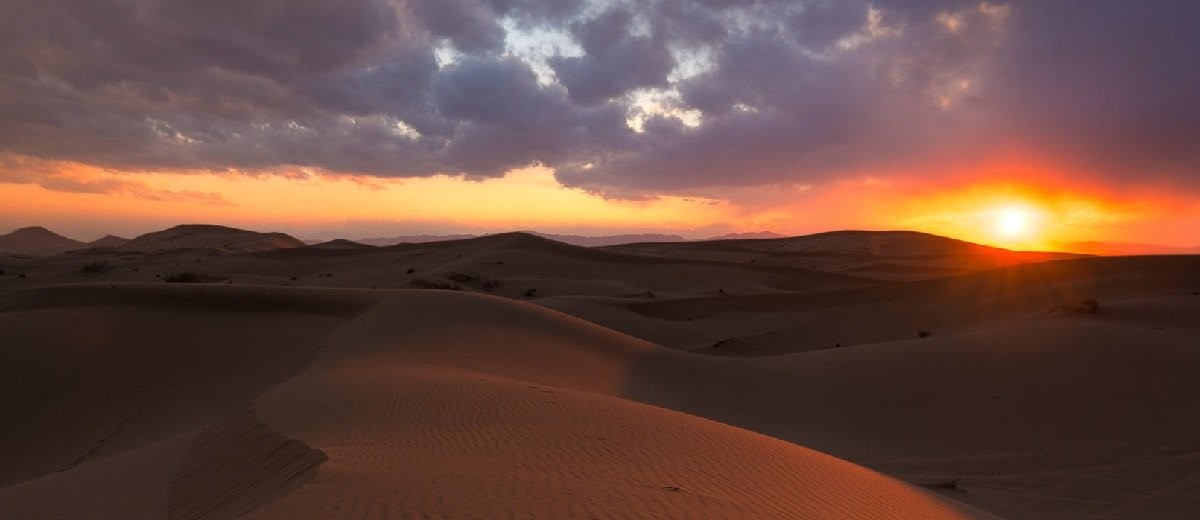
pixel 614 60
pixel 506 119
pixel 471 25
pixel 772 91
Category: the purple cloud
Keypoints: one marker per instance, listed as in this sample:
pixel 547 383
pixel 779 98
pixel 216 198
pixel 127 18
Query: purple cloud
pixel 626 98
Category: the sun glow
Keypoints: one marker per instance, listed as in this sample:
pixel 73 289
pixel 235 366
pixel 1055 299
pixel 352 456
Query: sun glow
pixel 1014 222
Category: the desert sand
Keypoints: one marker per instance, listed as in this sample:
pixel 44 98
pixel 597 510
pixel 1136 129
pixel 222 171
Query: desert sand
pixel 851 375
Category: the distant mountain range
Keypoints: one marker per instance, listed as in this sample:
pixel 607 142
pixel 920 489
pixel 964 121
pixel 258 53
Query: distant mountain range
pixel 39 241
pixel 756 235
pixel 577 240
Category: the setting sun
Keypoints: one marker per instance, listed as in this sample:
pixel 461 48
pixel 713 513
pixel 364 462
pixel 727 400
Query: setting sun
pixel 1014 222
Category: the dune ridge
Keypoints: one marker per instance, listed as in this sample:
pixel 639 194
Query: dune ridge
pixel 556 381
pixel 369 376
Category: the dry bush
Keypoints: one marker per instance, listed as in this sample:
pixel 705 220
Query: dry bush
pixel 1078 306
pixel 98 267
pixel 188 277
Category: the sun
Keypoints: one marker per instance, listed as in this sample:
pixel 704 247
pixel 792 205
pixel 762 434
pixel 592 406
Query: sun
pixel 1014 222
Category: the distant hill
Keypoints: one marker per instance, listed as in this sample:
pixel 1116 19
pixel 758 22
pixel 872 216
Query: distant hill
pixel 576 240
pixel 884 243
pixel 108 241
pixel 190 236
pixel 341 244
pixel 1128 249
pixel 600 241
pixel 897 255
pixel 411 239
pixel 749 236
pixel 36 241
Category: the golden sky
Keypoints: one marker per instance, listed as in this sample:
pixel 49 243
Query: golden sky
pixel 1007 205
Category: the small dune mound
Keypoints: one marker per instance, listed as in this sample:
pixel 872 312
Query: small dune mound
pixel 341 244
pixel 199 236
pixel 108 241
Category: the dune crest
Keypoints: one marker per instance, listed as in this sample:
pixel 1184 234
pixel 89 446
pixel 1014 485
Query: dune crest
pixel 549 380
pixel 531 422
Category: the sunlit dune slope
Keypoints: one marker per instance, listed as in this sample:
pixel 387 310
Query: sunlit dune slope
pixel 402 403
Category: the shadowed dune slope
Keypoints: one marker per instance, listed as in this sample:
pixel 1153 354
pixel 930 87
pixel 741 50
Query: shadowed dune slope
pixel 772 324
pixel 515 265
pixel 891 255
pixel 399 403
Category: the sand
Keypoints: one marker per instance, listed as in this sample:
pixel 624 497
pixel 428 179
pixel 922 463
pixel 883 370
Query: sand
pixel 996 393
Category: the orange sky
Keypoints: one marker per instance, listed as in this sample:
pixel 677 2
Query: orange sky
pixel 1013 206
pixel 965 118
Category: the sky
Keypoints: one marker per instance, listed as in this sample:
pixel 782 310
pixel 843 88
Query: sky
pixel 1026 124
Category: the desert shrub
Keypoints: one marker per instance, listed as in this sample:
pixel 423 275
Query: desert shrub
pixel 1078 306
pixel 476 281
pixel 436 283
pixel 98 267
pixel 922 333
pixel 187 277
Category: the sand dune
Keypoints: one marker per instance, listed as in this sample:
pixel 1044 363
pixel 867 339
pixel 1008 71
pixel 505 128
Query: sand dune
pixel 112 241
pixel 889 255
pixel 190 236
pixel 1060 389
pixel 531 422
pixel 768 324
pixel 516 265
pixel 36 241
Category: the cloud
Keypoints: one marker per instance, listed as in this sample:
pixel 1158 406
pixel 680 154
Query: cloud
pixel 472 25
pixel 749 93
pixel 614 61
pixel 67 178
